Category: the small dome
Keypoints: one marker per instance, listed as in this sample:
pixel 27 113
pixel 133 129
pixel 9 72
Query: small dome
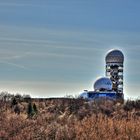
pixel 115 56
pixel 84 95
pixel 103 83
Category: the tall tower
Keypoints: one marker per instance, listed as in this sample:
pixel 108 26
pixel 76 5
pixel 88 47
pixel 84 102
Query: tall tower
pixel 114 70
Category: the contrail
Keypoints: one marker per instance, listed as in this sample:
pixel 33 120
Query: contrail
pixel 13 64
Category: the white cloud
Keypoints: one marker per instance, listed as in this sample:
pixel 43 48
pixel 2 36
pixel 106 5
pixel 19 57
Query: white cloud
pixel 14 65
pixel 17 3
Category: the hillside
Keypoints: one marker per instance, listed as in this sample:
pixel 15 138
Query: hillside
pixel 69 119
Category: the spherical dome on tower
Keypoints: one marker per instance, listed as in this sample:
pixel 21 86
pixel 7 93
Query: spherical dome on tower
pixel 103 83
pixel 115 56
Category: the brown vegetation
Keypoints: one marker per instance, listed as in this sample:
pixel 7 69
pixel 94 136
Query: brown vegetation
pixel 69 119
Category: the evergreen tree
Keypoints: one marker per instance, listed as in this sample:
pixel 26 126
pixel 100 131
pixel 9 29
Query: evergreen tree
pixel 14 102
pixel 35 108
pixel 17 110
pixel 30 110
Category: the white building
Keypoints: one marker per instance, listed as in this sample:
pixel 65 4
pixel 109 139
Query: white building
pixel 110 86
pixel 102 88
pixel 114 70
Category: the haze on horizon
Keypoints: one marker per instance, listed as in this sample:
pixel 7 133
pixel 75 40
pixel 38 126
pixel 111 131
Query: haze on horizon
pixel 53 48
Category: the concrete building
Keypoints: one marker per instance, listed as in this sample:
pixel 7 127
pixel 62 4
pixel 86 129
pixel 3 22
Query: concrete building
pixel 110 86
pixel 114 70
pixel 102 88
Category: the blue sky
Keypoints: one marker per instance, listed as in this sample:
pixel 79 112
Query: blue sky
pixel 53 48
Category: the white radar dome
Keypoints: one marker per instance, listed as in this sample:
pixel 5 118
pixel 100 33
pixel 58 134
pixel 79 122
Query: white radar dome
pixel 114 56
pixel 84 95
pixel 103 83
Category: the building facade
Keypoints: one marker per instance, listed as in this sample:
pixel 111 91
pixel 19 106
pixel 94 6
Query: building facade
pixel 110 86
pixel 114 70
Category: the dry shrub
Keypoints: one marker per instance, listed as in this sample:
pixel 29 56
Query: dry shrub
pixel 72 119
pixel 131 104
pixel 100 127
